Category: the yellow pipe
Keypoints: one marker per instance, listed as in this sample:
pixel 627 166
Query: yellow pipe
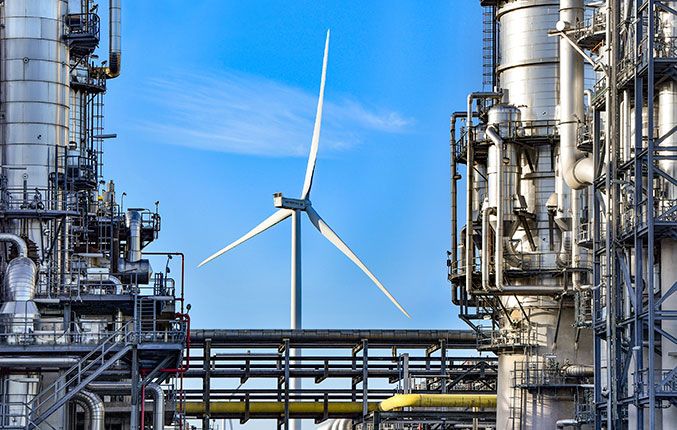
pixel 439 400
pixel 198 408
pixel 395 402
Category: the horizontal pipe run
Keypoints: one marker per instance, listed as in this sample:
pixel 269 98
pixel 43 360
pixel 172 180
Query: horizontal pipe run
pixel 38 362
pixel 527 290
pixel 579 371
pixel 194 409
pixel 439 401
pixel 335 338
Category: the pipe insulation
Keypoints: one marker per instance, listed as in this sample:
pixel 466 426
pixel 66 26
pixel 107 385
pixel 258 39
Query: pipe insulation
pixel 498 260
pixel 114 38
pixel 578 170
pixel 95 406
pixel 18 312
pixel 20 244
pixel 152 389
pixel 579 371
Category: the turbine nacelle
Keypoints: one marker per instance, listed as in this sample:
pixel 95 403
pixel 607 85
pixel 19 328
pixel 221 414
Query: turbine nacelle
pixel 286 203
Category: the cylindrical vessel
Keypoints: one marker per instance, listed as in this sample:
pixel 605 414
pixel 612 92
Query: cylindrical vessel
pixel 528 62
pixel 34 93
pixel 34 86
pixel 529 69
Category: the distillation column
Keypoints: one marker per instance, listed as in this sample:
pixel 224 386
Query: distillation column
pixel 34 93
pixel 529 71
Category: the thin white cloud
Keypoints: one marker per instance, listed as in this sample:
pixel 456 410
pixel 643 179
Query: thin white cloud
pixel 245 114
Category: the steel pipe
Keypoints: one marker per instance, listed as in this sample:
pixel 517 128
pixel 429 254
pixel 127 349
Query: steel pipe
pixel 37 362
pixel 349 408
pixel 439 401
pixel 93 403
pixel 498 261
pixel 17 241
pixel 469 167
pixel 114 39
pixel 577 170
pixel 320 338
pixel 126 387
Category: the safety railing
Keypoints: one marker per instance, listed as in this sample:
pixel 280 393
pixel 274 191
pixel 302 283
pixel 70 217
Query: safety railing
pixel 505 338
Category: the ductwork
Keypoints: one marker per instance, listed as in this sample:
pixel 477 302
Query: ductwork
pixel 17 241
pixel 88 414
pixel 126 388
pixel 133 222
pixel 94 405
pixel 158 405
pixel 18 312
pixel 133 265
pixel 114 38
pixel 578 170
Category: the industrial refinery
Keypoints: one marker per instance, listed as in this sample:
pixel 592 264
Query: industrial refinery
pixel 561 269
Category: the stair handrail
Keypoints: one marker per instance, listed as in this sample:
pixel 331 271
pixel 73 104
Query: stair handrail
pixel 64 381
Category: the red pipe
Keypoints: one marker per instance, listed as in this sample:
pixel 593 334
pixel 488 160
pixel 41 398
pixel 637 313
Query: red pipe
pixel 143 403
pixel 185 316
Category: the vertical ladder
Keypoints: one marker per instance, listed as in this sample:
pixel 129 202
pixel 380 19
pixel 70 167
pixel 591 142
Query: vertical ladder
pixel 489 47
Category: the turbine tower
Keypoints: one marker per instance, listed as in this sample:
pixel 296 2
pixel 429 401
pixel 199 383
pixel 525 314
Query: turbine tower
pixel 289 207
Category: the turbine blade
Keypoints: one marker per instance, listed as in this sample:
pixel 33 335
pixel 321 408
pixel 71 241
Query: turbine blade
pixel 327 232
pixel 275 218
pixel 310 170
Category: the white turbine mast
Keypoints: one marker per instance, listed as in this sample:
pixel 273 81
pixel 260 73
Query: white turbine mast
pixel 291 207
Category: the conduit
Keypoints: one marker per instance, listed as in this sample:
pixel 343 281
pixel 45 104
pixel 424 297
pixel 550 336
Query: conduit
pixel 439 401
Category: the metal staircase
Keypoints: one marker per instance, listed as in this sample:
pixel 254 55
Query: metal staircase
pixel 104 355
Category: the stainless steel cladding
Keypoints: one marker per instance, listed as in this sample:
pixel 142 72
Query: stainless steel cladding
pixel 34 92
pixel 114 38
pixel 94 409
pixel 528 61
pixel 133 221
pixel 19 311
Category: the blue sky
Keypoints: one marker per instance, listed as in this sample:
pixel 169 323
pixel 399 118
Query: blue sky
pixel 214 112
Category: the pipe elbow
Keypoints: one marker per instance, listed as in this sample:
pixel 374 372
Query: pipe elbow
pixel 95 406
pixel 113 71
pixel 579 174
pixel 20 244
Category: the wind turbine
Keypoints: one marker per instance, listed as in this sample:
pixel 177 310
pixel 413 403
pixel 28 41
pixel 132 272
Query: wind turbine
pixel 292 207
